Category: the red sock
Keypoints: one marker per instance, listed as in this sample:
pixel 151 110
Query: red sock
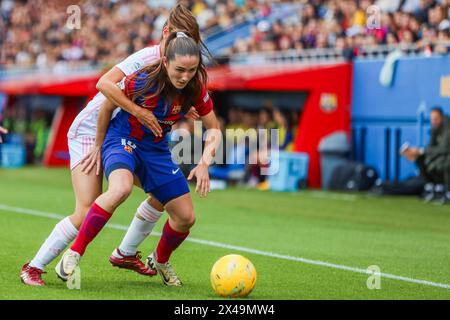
pixel 95 220
pixel 170 240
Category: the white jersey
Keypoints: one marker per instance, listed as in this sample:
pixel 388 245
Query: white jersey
pixel 85 124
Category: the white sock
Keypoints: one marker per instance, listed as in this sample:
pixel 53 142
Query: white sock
pixel 63 233
pixel 139 229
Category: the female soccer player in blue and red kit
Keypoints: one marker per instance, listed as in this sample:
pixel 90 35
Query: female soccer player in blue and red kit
pixel 168 88
pixel 85 138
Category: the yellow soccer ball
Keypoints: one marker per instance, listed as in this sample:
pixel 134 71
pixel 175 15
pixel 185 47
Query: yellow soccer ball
pixel 233 276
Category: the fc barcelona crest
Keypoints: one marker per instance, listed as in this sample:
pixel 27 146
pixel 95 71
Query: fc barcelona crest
pixel 128 149
pixel 176 109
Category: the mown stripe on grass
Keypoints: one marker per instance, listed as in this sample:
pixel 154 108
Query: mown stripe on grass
pixel 242 249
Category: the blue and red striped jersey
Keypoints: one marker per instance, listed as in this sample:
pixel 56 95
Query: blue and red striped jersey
pixel 168 112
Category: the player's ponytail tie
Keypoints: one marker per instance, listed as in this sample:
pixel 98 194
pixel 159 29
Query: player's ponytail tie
pixel 182 35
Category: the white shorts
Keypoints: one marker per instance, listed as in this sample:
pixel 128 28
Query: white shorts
pixel 79 147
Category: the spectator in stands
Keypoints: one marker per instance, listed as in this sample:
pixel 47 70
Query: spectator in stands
pixel 40 130
pixel 285 134
pixel 234 118
pixel 265 117
pixel 443 36
pixel 258 158
pixel 434 160
pixel 2 131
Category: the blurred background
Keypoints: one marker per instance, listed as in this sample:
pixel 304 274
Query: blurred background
pixel 351 85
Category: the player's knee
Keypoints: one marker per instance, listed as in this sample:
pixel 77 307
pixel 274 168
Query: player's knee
pixel 188 220
pixel 191 221
pixel 119 194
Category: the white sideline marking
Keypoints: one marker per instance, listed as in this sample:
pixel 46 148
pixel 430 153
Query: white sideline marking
pixel 241 249
pixel 333 196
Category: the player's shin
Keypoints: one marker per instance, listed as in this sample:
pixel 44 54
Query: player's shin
pixel 142 225
pixel 170 240
pixel 94 222
pixel 61 236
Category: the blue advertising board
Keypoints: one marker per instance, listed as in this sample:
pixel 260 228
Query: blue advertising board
pixel 386 116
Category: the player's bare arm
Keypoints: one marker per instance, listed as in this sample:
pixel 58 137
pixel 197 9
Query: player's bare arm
pixel 213 139
pixel 108 86
pixel 93 158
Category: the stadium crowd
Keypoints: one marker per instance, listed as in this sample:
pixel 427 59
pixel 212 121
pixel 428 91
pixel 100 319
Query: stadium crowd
pixel 34 33
pixel 350 25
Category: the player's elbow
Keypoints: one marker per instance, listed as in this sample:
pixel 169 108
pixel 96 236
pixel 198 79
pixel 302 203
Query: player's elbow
pixel 215 132
pixel 103 83
pixel 100 84
pixel 213 126
pixel 216 126
pixel 109 79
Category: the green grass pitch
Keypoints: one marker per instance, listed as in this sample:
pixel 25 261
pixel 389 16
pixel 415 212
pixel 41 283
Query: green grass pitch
pixel 403 236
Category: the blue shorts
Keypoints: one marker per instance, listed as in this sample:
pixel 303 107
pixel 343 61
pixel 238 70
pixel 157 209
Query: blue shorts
pixel 150 162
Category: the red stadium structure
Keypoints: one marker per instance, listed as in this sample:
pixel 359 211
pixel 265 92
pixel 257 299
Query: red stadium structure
pixel 326 110
pixel 74 89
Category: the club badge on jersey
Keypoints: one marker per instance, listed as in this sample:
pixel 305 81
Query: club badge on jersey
pixel 128 146
pixel 176 109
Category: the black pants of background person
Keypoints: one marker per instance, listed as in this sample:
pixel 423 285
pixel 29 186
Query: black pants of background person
pixel 434 176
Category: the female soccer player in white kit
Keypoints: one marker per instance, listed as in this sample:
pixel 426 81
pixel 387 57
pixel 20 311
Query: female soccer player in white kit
pixel 87 183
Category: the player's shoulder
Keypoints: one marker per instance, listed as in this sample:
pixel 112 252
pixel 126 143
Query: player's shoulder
pixel 135 81
pixel 204 94
pixel 150 53
pixel 148 50
pixel 139 75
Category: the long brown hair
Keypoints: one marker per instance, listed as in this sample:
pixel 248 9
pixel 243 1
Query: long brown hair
pixel 156 79
pixel 181 18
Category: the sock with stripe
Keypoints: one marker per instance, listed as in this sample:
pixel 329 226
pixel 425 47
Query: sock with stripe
pixel 139 229
pixel 62 234
pixel 94 222
pixel 170 240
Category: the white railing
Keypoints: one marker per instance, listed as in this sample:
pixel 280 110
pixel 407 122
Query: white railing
pixel 416 49
pixel 60 69
pixel 288 56
pixel 329 54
